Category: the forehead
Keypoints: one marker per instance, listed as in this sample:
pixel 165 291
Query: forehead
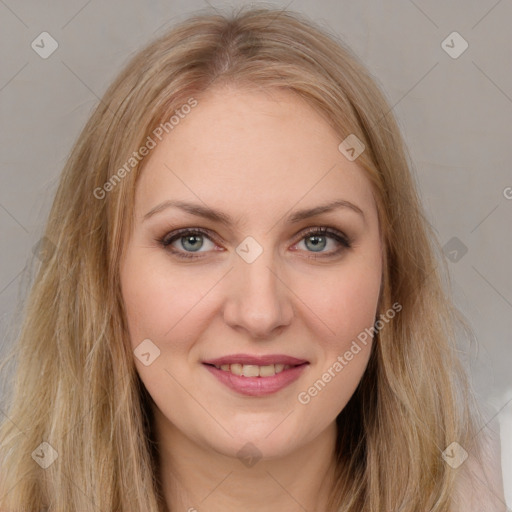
pixel 251 150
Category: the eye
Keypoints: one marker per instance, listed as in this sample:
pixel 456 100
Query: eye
pixel 316 239
pixel 188 240
pixel 185 242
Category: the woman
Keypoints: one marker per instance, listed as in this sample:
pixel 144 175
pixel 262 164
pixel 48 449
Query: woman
pixel 303 359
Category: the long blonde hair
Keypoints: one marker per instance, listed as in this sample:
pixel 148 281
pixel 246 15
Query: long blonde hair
pixel 75 385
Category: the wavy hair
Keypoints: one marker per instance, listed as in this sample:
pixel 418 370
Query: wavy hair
pixel 75 384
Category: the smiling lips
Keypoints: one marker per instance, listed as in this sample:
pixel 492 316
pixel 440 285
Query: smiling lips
pixel 256 375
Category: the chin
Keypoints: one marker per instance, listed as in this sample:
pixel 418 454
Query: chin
pixel 266 439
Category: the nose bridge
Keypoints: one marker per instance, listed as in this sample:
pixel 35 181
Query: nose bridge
pixel 257 298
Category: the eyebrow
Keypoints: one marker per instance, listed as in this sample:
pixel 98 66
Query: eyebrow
pixel 223 218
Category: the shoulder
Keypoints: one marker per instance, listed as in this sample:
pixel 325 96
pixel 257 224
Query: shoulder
pixel 479 480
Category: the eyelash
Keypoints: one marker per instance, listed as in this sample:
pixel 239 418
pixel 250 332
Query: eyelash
pixel 169 238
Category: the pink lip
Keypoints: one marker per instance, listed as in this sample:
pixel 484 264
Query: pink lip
pixel 257 386
pixel 257 360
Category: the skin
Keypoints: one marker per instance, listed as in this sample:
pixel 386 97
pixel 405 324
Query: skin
pixel 257 157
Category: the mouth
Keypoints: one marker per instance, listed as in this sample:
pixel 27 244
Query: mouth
pixel 256 375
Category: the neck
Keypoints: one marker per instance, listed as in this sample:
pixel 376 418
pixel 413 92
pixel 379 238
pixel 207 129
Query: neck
pixel 196 479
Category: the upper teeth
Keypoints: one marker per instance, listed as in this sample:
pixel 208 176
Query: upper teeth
pixel 252 370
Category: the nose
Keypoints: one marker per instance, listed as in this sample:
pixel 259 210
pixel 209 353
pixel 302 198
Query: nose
pixel 258 298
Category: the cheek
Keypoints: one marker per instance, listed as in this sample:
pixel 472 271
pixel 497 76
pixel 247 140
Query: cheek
pixel 346 301
pixel 156 306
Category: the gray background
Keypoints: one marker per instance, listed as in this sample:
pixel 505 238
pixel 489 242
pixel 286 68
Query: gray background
pixel 455 114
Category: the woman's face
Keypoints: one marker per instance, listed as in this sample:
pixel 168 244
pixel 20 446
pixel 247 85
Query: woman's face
pixel 253 288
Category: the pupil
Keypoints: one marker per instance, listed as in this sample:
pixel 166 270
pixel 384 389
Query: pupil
pixel 316 241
